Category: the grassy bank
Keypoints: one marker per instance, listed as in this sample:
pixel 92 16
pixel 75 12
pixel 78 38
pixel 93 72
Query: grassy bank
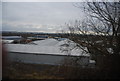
pixel 17 70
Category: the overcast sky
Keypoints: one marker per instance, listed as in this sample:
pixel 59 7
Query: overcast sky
pixel 38 16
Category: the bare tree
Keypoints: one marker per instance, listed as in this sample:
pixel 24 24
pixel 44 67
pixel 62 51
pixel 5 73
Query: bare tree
pixel 99 32
pixel 108 16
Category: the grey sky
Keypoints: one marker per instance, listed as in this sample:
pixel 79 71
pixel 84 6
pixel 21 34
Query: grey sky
pixel 38 16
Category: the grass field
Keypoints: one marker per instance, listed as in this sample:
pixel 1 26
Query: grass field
pixel 17 70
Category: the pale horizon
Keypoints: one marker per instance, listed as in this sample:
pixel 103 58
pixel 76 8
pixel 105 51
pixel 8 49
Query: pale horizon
pixel 48 17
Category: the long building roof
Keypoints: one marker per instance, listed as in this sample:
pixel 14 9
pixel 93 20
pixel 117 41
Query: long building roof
pixel 48 46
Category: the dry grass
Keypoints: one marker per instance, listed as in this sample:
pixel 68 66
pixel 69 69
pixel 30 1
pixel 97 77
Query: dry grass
pixel 17 70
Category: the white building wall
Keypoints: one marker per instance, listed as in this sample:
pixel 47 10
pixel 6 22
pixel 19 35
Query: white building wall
pixel 43 58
